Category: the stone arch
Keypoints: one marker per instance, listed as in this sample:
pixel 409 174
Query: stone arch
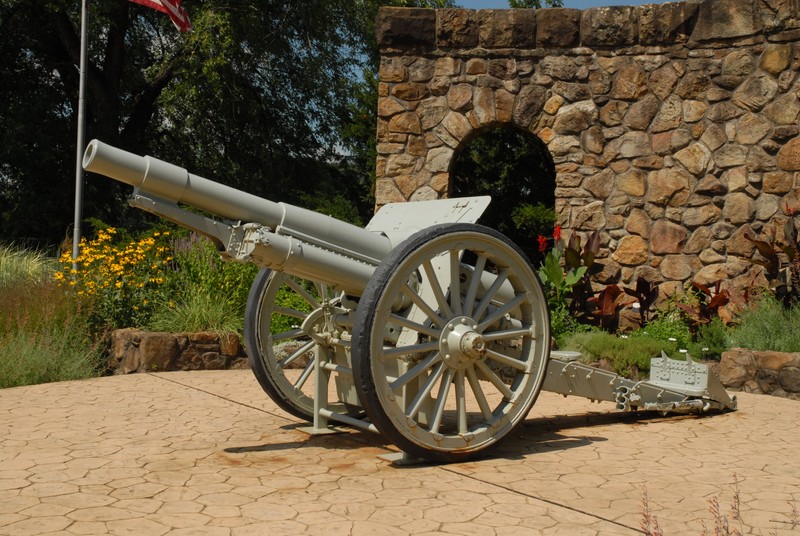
pixel 522 209
pixel 674 130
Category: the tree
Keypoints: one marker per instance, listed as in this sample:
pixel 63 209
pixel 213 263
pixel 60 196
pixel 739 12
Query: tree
pixel 255 97
pixel 534 4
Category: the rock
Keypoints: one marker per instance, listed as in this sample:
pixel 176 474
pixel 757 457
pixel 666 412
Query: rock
pixel 631 251
pixel 667 238
pixel 777 182
pixel 789 156
pixel 697 216
pixel 724 19
pixel 669 116
pixel 738 63
pixel 666 23
pixel 784 110
pixel 739 208
pixel 631 145
pixel 641 113
pixel 668 186
pixel 575 118
pixel 693 110
pixel 737 244
pixel 406 28
pixel 699 241
pixel 456 28
pixel 776 58
pixel 676 267
pixel 663 81
pixel 755 92
pixel 589 217
pixel 608 26
pixel 632 182
pixel 557 27
pixel 638 223
pixel 630 83
pixel 528 104
pixel 613 113
pixel 695 158
pixel 736 367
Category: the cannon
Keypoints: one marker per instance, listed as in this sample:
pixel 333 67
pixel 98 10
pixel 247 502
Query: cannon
pixel 425 326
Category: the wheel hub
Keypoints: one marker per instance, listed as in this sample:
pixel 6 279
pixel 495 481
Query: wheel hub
pixel 460 343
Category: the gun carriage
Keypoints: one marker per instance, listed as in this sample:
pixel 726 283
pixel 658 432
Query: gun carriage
pixel 424 326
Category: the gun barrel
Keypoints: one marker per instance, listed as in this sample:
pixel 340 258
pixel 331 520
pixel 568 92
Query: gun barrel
pixel 177 185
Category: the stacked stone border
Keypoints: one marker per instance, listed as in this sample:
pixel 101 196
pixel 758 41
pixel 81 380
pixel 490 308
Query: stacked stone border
pixel 673 127
pixel 770 373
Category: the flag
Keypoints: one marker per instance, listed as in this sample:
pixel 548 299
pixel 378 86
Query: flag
pixel 179 16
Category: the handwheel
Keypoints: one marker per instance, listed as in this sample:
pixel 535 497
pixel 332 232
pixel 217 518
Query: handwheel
pixel 287 380
pixel 451 342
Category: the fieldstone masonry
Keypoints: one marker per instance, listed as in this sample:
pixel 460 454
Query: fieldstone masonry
pixel 673 127
pixel 134 350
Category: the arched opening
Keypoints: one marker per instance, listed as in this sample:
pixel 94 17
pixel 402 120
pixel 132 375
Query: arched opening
pixel 517 170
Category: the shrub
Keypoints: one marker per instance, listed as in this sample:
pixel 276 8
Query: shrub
pixel 768 326
pixel 668 327
pixel 627 356
pixel 120 280
pixel 43 331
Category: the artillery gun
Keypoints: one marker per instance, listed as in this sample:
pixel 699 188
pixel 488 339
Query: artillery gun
pixel 424 326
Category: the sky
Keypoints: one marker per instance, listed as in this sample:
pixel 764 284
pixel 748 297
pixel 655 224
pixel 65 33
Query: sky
pixel 579 4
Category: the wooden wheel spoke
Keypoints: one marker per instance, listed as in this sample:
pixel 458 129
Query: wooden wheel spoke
pixel 416 326
pixel 497 382
pixel 301 381
pixel 441 400
pixel 480 397
pixel 436 288
pixel 286 335
pixel 416 403
pixel 455 282
pixel 417 300
pixel 398 351
pixel 490 294
pixel 302 292
pixel 474 284
pixel 294 313
pixel 415 371
pixel 507 361
pixel 500 312
pixel 283 363
pixel 461 403
pixel 507 334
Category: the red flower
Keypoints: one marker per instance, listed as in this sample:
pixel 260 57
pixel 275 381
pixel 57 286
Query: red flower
pixel 542 243
pixel 557 233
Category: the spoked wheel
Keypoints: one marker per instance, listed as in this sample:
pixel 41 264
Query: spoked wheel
pixel 451 342
pixel 287 378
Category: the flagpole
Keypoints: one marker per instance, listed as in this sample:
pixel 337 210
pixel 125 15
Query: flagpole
pixel 76 229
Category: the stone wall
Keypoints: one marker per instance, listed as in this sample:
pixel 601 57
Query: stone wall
pixel 134 350
pixel 673 127
pixel 772 373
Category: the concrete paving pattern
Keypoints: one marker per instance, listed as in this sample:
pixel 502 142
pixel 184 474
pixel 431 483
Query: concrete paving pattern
pixel 207 453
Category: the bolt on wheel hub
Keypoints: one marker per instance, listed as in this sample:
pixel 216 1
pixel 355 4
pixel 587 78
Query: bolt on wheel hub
pixel 460 344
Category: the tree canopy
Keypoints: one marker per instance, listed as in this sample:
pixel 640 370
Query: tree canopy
pixel 276 97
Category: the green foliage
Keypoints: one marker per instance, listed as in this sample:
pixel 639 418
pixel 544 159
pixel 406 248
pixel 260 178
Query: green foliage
pixel 197 265
pixel 19 266
pixel 667 327
pixel 256 96
pixel 160 281
pixel 517 170
pixel 200 309
pixel 44 334
pixel 768 326
pixel 710 341
pixel 119 278
pixel 534 4
pixel 627 356
pixel 781 262
pixel 288 299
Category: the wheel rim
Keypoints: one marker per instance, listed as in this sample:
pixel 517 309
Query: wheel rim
pixel 287 376
pixel 472 357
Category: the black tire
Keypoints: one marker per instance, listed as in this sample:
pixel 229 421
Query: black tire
pixel 259 346
pixel 373 359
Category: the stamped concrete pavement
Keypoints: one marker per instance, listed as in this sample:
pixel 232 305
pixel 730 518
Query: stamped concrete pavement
pixel 208 453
